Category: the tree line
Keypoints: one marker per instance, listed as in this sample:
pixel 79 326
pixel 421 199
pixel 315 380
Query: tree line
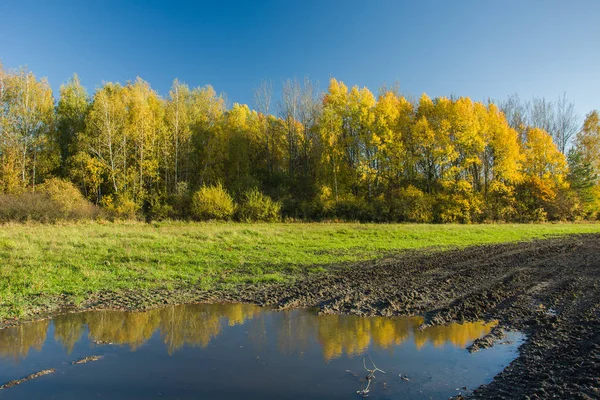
pixel 343 154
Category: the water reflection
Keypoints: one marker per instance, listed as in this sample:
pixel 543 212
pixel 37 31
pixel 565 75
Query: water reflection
pixel 197 325
pixel 18 341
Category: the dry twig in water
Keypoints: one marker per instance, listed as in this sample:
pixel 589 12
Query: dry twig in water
pixel 365 391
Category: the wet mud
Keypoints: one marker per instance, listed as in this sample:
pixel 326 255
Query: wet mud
pixel 548 289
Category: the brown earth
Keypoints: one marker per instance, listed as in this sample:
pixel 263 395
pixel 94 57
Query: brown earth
pixel 548 289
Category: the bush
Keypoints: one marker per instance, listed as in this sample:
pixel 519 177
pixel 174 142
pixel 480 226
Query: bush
pixel 181 202
pixel 159 209
pixel 534 199
pixel 68 199
pixel 565 207
pixel 459 203
pixel 256 206
pixel 411 205
pixel 212 203
pixel 54 200
pixel 501 203
pixel 353 208
pixel 120 207
pixel 28 206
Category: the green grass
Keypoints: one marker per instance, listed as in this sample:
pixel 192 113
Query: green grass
pixel 40 262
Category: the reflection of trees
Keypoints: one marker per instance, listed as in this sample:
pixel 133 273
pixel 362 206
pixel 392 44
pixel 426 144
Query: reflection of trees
pixel 68 329
pixel 457 334
pixel 192 325
pixel 389 332
pixel 339 334
pixel 188 325
pixel 294 331
pixel 124 328
pixel 352 335
pixel 197 325
pixel 15 342
pixel 257 332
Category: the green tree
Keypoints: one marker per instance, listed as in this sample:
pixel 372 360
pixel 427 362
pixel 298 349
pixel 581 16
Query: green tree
pixel 71 111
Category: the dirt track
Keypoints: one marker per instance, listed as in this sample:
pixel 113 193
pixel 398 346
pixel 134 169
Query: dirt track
pixel 548 289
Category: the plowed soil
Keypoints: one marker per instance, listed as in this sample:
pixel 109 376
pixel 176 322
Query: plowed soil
pixel 550 290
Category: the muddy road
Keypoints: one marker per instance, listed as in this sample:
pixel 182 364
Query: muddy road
pixel 548 289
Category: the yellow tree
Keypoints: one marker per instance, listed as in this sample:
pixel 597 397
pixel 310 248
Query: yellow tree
pixel 71 110
pixel 588 141
pixel 501 165
pixel 363 140
pixel 105 138
pixel 145 131
pixel 205 118
pixel 543 160
pixel 28 152
pixel 348 135
pixel 392 125
pixel 238 127
pixel 545 170
pixel 333 127
pixel 430 141
pixel 584 165
pixel 467 134
pixel 179 131
pixel 503 157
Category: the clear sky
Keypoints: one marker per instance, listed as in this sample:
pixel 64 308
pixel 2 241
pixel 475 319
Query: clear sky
pixel 477 48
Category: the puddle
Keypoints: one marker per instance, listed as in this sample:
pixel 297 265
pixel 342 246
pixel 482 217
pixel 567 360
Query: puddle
pixel 233 351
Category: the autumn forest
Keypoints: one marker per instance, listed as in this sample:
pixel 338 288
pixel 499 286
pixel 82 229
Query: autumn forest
pixel 346 154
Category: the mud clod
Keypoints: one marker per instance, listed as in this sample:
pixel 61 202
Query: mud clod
pixel 27 378
pixel 87 360
pixel 495 335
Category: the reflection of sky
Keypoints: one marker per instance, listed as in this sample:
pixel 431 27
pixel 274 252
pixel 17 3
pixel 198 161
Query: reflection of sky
pixel 247 346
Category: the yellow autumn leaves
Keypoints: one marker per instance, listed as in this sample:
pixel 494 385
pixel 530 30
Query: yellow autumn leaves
pixel 139 154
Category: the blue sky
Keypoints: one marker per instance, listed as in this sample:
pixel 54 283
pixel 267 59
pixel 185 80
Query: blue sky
pixel 482 49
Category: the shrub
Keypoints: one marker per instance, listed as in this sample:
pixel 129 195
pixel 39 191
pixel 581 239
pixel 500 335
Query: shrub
pixel 256 206
pixel 500 204
pixel 181 202
pixel 459 203
pixel 68 199
pixel 534 199
pixel 27 206
pixel 212 203
pixel 54 200
pixel 353 208
pixel 411 205
pixel 565 207
pixel 159 209
pixel 120 207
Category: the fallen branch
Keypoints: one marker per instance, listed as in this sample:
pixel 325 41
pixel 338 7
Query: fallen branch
pixel 365 391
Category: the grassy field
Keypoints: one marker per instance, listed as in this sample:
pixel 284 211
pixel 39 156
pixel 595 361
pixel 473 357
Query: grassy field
pixel 40 262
